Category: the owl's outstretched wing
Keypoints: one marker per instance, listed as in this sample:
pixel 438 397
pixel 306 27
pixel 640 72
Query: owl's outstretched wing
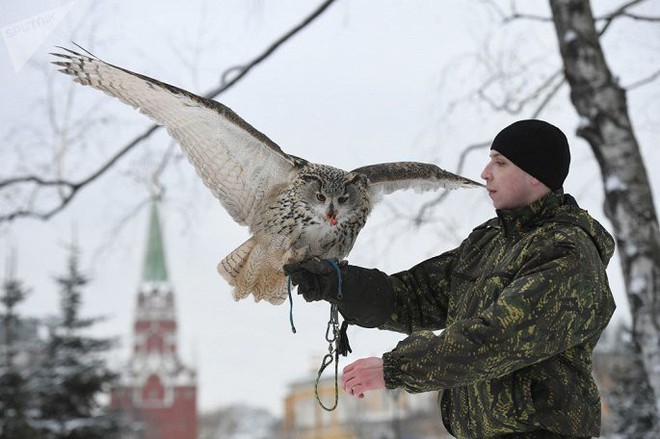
pixel 385 178
pixel 236 161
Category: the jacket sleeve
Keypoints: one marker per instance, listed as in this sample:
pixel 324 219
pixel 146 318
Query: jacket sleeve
pixel 421 295
pixel 558 300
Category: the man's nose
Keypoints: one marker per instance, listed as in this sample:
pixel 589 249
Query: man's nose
pixel 485 174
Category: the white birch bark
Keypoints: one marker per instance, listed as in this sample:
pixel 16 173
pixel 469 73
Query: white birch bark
pixel 605 125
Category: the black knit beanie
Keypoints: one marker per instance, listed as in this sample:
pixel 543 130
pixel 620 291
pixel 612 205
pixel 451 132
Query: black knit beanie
pixel 538 148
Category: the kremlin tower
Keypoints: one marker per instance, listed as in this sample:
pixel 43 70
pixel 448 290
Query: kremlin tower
pixel 157 393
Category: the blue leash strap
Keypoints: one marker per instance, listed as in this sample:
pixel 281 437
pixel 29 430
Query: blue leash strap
pixel 335 265
pixel 293 327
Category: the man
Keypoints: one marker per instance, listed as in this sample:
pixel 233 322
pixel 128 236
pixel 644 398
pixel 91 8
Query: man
pixel 522 301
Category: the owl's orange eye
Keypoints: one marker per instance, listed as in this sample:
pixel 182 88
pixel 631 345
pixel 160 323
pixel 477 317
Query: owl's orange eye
pixel 320 196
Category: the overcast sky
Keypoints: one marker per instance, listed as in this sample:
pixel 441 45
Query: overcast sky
pixel 368 82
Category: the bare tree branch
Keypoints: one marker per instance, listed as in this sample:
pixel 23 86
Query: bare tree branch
pixel 515 106
pixel 69 189
pixel 622 11
pixel 513 14
pixel 640 17
pixel 421 216
pixel 548 97
pixel 519 16
pixel 652 77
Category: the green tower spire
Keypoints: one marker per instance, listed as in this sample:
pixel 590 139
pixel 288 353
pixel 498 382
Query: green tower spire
pixel 155 269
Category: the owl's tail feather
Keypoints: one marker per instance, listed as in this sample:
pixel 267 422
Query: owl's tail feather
pixel 248 271
pixel 230 267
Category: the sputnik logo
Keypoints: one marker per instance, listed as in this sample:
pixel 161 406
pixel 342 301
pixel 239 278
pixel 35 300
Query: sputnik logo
pixel 24 37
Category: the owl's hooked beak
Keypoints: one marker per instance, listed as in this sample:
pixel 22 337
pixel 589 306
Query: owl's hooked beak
pixel 331 215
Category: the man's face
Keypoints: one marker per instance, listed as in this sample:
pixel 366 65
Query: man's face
pixel 508 186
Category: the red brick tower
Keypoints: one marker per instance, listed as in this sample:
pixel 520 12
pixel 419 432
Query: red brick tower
pixel 158 394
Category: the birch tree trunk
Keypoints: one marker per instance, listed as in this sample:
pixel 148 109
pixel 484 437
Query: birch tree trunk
pixel 605 125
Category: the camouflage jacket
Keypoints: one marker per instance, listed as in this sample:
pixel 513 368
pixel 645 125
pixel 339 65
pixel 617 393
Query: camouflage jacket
pixel 522 301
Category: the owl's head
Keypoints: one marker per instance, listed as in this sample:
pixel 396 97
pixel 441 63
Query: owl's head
pixel 334 195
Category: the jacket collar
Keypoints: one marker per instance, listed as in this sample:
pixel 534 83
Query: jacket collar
pixel 521 219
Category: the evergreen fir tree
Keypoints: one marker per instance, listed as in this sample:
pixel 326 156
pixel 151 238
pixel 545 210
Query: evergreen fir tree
pixel 74 375
pixel 14 394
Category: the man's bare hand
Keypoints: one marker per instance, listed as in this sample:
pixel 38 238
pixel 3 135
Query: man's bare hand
pixel 363 375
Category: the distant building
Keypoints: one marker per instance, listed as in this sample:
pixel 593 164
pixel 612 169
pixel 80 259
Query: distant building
pixel 382 414
pixel 157 393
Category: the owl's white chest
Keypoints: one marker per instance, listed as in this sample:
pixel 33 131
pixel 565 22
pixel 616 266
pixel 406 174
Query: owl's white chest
pixel 301 232
pixel 324 240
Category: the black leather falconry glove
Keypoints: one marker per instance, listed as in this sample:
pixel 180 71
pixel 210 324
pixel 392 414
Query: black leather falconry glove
pixel 366 294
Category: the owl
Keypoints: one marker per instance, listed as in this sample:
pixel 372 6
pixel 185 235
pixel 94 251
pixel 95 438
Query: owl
pixel 294 209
